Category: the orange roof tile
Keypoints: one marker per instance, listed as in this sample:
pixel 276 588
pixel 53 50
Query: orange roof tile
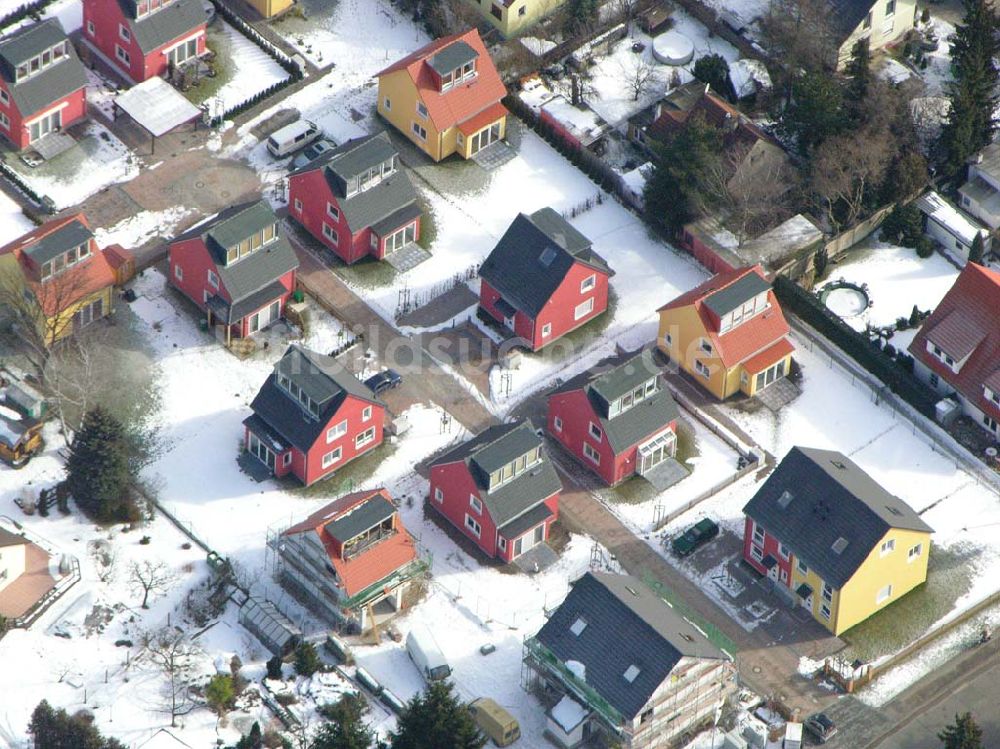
pixel 745 340
pixel 459 103
pixel 769 356
pixel 484 118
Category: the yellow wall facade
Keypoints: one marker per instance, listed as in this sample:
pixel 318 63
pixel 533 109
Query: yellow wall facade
pixel 397 103
pixel 859 597
pixel 685 331
pixel 269 8
pixel 748 384
pixel 61 326
pixel 884 28
pixel 520 16
pixel 824 610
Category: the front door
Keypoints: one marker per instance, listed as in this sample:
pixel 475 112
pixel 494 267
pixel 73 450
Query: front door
pixel 484 138
pixel 258 449
pixel 259 320
pixel 47 124
pixel 768 376
pixel 539 534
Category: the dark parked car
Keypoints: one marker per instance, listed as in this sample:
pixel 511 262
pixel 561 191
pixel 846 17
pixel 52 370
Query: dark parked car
pixel 312 152
pixel 821 727
pixel 700 533
pixel 387 379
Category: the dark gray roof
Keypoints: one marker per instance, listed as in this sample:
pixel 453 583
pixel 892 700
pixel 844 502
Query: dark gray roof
pixel 56 243
pixel 391 200
pixel 165 25
pixel 815 497
pixel 453 56
pixel 493 448
pixel 323 378
pixel 533 256
pixel 29 41
pixel 845 15
pixel 11 539
pixel 735 294
pixel 264 432
pixel 253 273
pixel 525 522
pixel 626 625
pixel 609 380
pixel 366 515
pixel 231 313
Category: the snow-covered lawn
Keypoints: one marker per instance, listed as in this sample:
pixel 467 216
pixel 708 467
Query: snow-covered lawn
pixel 611 76
pixel 896 278
pixel 98 160
pixel 69 13
pixel 13 222
pixel 247 70
pixel 136 230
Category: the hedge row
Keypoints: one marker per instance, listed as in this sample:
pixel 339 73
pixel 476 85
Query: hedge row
pixel 255 36
pixel 22 12
pixel 15 179
pixel 808 307
pixel 251 102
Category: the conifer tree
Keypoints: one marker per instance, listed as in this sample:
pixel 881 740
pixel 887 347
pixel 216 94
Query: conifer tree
pixel 436 719
pixel 976 250
pixel 98 469
pixel 964 733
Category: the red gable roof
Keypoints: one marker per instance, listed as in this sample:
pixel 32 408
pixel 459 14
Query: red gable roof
pixel 717 112
pixel 78 282
pixel 461 102
pixel 965 324
pixel 748 339
pixel 375 563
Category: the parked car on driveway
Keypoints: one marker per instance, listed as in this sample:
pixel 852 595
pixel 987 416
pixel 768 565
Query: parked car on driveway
pixel 387 379
pixel 312 152
pixel 821 727
pixel 698 534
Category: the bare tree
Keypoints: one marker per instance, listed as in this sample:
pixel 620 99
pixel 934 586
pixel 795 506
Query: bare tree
pixel 845 168
pixel 41 311
pixel 624 11
pixel 759 183
pixel 800 33
pixel 174 655
pixel 105 557
pixel 149 577
pixel 637 77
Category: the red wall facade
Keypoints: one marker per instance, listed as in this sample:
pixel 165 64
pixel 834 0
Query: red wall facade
pixel 73 108
pixel 313 192
pixel 704 254
pixel 558 311
pixel 560 130
pixel 770 546
pixel 104 17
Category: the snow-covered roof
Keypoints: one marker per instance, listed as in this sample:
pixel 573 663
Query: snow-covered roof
pixel 536 46
pixel 584 124
pixel 748 76
pixel 635 179
pixel 962 226
pixel 786 238
pixel 568 713
pixel 157 106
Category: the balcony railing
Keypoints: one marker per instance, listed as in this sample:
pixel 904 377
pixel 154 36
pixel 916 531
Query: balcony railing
pixel 545 657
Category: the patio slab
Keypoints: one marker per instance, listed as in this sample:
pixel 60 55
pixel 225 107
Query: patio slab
pixel 779 394
pixel 407 257
pixel 665 474
pixel 18 597
pixel 536 559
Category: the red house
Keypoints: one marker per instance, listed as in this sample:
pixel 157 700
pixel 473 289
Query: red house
pixel 617 420
pixel 311 417
pixel 957 351
pixel 357 200
pixel 543 279
pixel 42 83
pixel 237 267
pixel 143 38
pixel 499 489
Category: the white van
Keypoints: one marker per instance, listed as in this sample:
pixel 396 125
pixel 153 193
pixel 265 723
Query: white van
pixel 426 654
pixel 291 138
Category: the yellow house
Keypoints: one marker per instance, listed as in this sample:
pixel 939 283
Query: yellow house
pixel 833 540
pixel 57 278
pixel 445 97
pixel 728 333
pixel 882 23
pixel 271 8
pixel 511 17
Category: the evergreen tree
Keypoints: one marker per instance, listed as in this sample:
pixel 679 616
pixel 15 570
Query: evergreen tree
pixel 253 740
pixel 973 95
pixel 97 472
pixel 307 660
pixel 436 719
pixel 714 70
pixel 907 174
pixel 816 111
pixel 345 729
pixel 580 14
pixel 219 693
pixel 976 250
pixel 57 729
pixel 859 80
pixel 274 668
pixel 962 734
pixel 676 191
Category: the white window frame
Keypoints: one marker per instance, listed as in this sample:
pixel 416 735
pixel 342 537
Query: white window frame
pixel 365 437
pixel 476 504
pixel 122 55
pixel 123 33
pixel 4 121
pixel 387 103
pixel 473 525
pixel 178 272
pixel 591 453
pixel 213 279
pixel 888 546
pixel 915 552
pixel 330 233
pixel 825 612
pixel 298 205
pixel 595 431
pixel 91 30
pixel 705 346
pixel 583 309
pixel 756 553
pixel 701 368
pixel 438 494
pixel 546 330
pixel 588 283
pixel 884 594
pixel 417 129
pixel 4 97
pixel 333 212
pixel 827 592
pixel 286 459
pixel 337 431
pixel 757 531
pixel 783 551
pixel 332 457
pixel 422 112
pixel 801 567
pixel 366 414
pixel 557 424
pixel 668 340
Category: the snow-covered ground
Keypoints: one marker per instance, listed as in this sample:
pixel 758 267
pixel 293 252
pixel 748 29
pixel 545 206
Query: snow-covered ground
pixel 136 230
pixel 611 76
pixel 897 278
pixel 69 13
pixel 250 69
pixel 13 222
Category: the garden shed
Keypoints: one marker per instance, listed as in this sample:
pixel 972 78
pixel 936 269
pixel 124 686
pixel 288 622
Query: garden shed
pixel 269 625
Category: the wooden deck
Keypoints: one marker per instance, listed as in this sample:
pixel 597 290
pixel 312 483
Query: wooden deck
pixel 36 581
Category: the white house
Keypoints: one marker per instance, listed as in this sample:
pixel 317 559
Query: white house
pixel 949 226
pixel 981 193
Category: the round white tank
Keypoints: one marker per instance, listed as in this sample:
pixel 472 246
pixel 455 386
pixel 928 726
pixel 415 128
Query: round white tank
pixel 673 48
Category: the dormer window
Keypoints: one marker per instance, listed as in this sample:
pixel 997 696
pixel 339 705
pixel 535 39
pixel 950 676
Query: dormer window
pixel 66 260
pixel 42 61
pixel 144 7
pixel 942 356
pixel 292 389
pixel 458 75
pixel 633 398
pixel 252 243
pixel 515 468
pixel 991 395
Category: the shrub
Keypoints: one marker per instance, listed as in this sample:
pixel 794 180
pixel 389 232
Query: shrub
pixel 925 247
pixel 219 693
pixel 903 226
pixel 307 660
pixel 274 668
